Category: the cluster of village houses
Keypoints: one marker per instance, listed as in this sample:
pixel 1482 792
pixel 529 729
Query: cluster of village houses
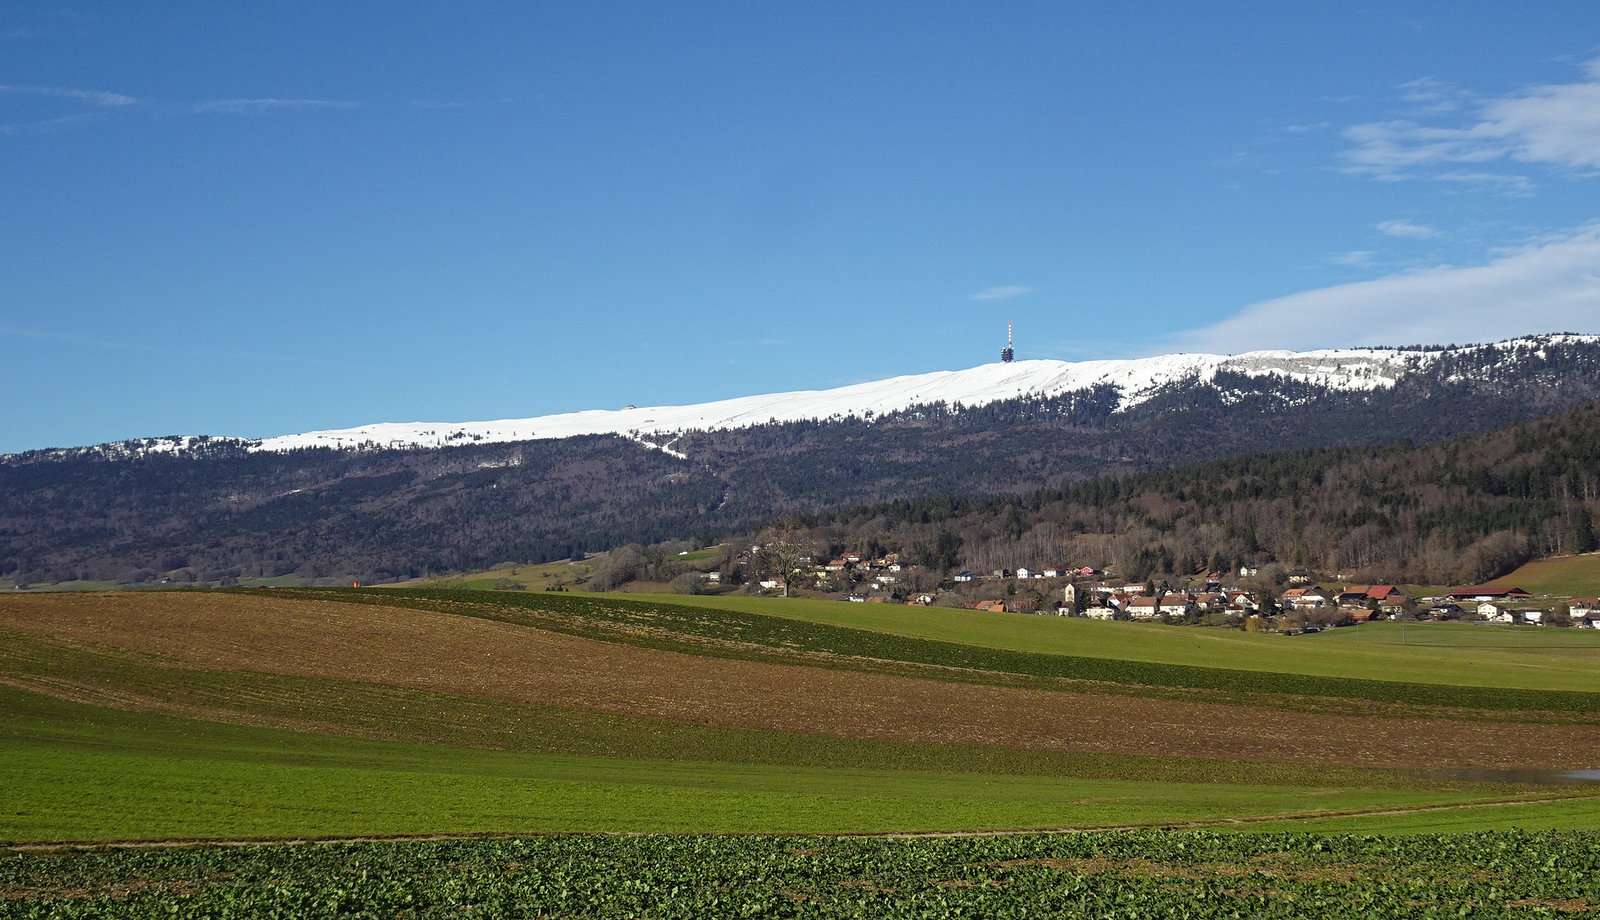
pixel 1092 593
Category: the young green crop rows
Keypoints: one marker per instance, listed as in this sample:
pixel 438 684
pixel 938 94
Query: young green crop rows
pixel 1149 874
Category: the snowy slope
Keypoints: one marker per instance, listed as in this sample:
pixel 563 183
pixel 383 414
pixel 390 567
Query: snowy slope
pixel 1137 378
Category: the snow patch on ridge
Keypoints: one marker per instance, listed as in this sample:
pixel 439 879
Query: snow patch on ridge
pixel 1138 379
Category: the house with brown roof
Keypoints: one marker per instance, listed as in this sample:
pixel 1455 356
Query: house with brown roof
pixel 1487 593
pixel 1144 607
pixel 1175 604
pixel 1312 598
pixel 1353 596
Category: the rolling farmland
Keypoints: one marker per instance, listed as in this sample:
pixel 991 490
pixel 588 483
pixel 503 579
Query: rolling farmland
pixel 294 714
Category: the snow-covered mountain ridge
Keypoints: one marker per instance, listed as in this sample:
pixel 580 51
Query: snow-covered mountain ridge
pixel 1136 379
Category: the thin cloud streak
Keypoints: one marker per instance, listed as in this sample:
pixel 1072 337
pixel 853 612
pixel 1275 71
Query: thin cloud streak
pixel 255 106
pixel 103 106
pixel 1407 230
pixel 1549 285
pixel 1356 258
pixel 1001 292
pixel 23 332
pixel 94 97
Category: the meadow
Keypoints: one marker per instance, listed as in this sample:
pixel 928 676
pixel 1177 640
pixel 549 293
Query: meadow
pixel 273 714
pixel 1558 576
pixel 1487 656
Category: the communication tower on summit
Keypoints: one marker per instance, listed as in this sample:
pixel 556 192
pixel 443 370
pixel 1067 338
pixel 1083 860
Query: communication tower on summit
pixel 1008 353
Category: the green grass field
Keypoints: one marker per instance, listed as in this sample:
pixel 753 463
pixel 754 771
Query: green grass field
pixel 99 743
pixel 1501 658
pixel 1448 635
pixel 71 586
pixel 530 577
pixel 80 772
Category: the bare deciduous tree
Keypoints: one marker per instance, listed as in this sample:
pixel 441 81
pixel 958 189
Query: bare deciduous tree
pixel 784 554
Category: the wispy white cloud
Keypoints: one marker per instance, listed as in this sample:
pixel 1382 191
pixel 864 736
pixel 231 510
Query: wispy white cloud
pixel 1556 125
pixel 1407 229
pixel 1001 292
pixel 254 106
pixel 88 107
pixel 93 97
pixel 1358 258
pixel 1551 284
pixel 26 332
pixel 1430 96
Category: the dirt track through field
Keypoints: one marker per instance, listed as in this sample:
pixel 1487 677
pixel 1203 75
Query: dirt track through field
pixel 503 662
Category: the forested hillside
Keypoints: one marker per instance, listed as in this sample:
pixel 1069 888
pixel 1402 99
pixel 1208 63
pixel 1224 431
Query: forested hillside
pixel 218 510
pixel 1463 510
pixel 316 513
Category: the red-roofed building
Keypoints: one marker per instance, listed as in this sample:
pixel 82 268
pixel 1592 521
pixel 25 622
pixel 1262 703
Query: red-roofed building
pixel 1488 593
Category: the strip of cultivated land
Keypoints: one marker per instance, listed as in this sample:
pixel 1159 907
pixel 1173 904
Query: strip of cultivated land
pixel 1129 874
pixel 271 713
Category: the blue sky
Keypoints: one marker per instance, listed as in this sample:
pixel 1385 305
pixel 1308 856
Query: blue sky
pixel 255 220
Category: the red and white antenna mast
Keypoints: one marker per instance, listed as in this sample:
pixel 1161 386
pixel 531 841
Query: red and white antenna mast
pixel 1008 353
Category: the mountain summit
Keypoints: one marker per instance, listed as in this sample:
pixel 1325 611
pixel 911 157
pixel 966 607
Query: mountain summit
pixel 1130 382
pixel 394 501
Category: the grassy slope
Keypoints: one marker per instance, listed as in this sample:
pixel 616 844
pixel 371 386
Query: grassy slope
pixel 531 577
pixel 354 709
pixel 1497 661
pixel 1541 641
pixel 1562 576
pixel 81 772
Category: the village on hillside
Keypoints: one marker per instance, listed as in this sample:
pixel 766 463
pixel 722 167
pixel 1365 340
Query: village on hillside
pixel 1305 603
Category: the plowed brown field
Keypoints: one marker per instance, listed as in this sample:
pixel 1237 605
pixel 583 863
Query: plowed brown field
pixel 479 658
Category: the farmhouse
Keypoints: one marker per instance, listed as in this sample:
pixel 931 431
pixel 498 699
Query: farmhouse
pixel 1175 605
pixel 1313 598
pixel 1486 593
pixel 1495 613
pixel 1144 608
pixel 1244 600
